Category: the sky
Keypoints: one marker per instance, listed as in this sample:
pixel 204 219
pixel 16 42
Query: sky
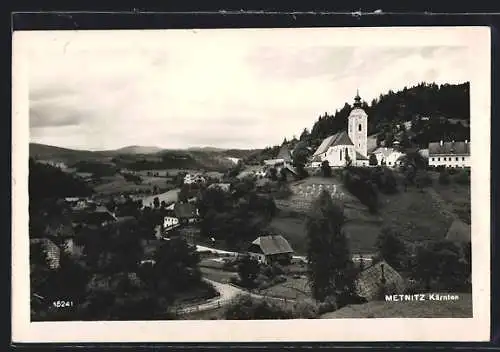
pixel 99 90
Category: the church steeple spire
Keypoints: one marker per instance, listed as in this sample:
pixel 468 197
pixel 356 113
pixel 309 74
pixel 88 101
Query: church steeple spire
pixel 357 100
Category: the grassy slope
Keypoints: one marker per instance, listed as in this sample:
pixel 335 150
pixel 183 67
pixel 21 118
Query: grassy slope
pixel 416 309
pixel 417 215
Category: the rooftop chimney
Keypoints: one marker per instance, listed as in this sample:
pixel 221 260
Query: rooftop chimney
pixel 441 142
pixel 466 141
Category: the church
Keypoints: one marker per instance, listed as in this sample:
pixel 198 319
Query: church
pixel 344 146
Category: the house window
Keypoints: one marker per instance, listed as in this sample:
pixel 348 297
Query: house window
pixel 346 153
pixel 359 127
pixel 432 159
pixel 341 155
pixel 389 163
pixel 449 159
pixel 456 159
pixel 463 158
pixel 439 159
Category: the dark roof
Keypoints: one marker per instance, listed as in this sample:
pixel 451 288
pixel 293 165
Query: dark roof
pixel 459 231
pixel 340 138
pixel 275 244
pixel 185 210
pixel 370 280
pixel 360 157
pixel 284 153
pixel 449 148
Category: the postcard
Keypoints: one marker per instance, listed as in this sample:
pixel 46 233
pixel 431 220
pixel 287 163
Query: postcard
pixel 250 185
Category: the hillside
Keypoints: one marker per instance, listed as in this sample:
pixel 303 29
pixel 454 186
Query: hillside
pixel 49 152
pixel 141 157
pixel 446 109
pixel 135 149
pixel 461 308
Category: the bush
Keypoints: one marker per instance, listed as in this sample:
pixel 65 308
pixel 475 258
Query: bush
pixel 247 308
pixel 462 178
pixel 304 310
pixel 328 305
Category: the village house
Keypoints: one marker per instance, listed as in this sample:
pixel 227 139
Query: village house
pixel 459 232
pixel 190 179
pixel 187 213
pixel 388 156
pixel 283 158
pixel 271 249
pixel 170 223
pixel 449 154
pixel 337 149
pixel 378 279
pixel 52 251
pixel 226 187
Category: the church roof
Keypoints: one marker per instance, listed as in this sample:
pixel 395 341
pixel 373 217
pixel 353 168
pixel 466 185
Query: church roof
pixel 359 156
pixel 340 138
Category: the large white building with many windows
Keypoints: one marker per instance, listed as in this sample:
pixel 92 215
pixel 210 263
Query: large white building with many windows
pixel 449 154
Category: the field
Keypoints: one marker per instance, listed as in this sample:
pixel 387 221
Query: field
pixel 292 288
pixel 168 197
pixel 461 308
pixel 118 184
pixel 417 215
pixel 218 275
pixel 456 198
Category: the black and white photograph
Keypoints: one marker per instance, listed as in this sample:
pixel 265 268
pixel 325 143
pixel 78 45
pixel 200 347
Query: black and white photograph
pixel 323 174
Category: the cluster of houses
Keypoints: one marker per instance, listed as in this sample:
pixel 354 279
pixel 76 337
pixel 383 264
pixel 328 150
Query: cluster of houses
pixel 351 146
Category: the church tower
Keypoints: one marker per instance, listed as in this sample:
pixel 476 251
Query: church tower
pixel 358 127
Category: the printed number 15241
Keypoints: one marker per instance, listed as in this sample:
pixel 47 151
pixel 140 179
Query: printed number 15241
pixel 62 304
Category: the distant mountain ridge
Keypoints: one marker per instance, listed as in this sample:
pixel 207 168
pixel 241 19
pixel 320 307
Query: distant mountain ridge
pixel 193 157
pixel 136 149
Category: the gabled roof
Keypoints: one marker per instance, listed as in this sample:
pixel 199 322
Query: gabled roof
pixel 370 280
pixel 284 153
pixel 274 244
pixel 449 148
pixel 340 138
pixel 459 231
pixel 185 210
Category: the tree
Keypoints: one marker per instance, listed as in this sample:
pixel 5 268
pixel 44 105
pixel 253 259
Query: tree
pixel 156 202
pixel 273 174
pixel 326 169
pixel 391 248
pixel 348 160
pixel 304 136
pixel 330 265
pixel 438 265
pixel 299 157
pixel 373 160
pixel 248 269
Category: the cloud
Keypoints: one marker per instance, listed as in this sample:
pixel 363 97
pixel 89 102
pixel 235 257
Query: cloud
pixel 180 89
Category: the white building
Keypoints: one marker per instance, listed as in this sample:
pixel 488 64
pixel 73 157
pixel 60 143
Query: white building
pixel 449 154
pixel 190 179
pixel 388 156
pixel 350 145
pixel 169 222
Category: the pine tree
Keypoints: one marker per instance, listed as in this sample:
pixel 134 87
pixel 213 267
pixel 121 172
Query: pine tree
pixel 329 258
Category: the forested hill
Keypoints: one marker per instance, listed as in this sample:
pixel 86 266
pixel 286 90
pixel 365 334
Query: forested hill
pixel 431 100
pixel 443 105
